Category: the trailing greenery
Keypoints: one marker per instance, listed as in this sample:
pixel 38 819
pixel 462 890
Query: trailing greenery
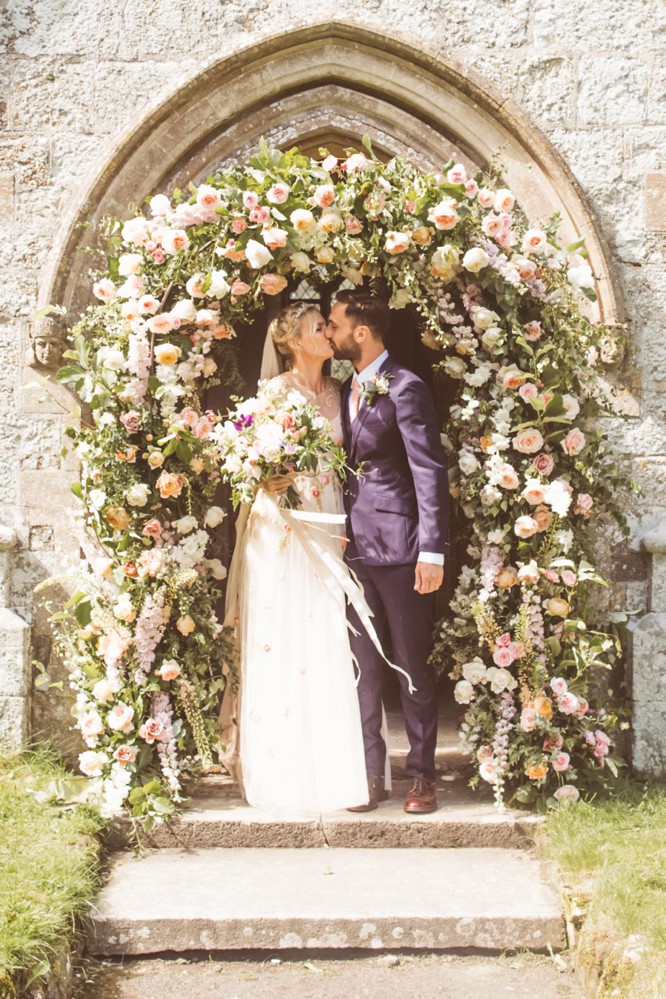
pixel 613 854
pixel 49 868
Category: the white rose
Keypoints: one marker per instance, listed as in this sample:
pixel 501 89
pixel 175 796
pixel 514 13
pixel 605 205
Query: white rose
pixel 214 516
pixel 92 762
pixel 302 219
pixel 103 690
pixel 111 358
pixel 483 318
pixel 529 573
pixel 137 495
pixel 467 463
pixel 257 255
pixel 123 609
pixel 455 367
pixel 97 498
pixel 501 680
pixel 489 496
pixel 185 309
pixel 215 568
pixel 129 263
pixel 463 692
pixel 475 671
pixel 581 277
pixel 219 286
pixel 120 718
pixel 571 407
pixel 185 524
pixel 301 262
pixel 160 205
pixel 475 259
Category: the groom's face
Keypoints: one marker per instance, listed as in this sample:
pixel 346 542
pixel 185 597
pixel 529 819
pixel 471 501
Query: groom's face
pixel 340 331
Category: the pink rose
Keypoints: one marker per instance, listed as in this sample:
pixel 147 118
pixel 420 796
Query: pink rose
pixel 486 198
pixel 356 163
pixel 589 738
pixel 260 215
pixel 583 707
pixel 503 657
pixel 91 725
pixel 543 463
pixel 250 199
pixel 528 391
pixel 202 428
pixel 457 174
pixel 532 331
pixel 131 422
pixel 601 737
pixel 471 189
pixel 330 163
pixel 560 763
pixel 240 287
pixel 517 650
pixel 278 194
pixel 104 290
pixel 504 640
pixel 568 703
pixel 152 730
pixel 238 226
pixel 574 442
pixel 525 527
pixel 528 440
pixel 492 224
pixel 272 284
pixel 552 743
pixel 353 225
pixel 125 754
pixel 584 504
pixel 568 577
pixel 567 793
pixel 528 719
pixel 152 528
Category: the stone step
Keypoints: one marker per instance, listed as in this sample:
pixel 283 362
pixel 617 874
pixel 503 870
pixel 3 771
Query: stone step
pixel 276 899
pixel 216 816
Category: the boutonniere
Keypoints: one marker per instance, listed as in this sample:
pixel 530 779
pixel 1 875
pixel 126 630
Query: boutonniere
pixel 377 385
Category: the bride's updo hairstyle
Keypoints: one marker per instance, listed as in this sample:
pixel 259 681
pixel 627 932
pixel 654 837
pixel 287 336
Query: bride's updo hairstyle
pixel 290 324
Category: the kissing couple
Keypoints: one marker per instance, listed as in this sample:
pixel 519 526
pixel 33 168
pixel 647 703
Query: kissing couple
pixel 314 593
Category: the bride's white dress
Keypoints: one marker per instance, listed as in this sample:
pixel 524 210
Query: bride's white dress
pixel 301 742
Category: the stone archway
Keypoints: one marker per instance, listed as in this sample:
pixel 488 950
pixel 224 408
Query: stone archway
pixel 328 83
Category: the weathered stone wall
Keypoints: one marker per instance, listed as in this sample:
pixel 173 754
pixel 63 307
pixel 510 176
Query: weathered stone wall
pixel 77 76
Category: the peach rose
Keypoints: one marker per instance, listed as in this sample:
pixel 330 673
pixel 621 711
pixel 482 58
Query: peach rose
pixel 275 238
pixel 161 323
pixel 353 225
pixel 169 670
pixel 556 607
pixel 240 287
pixel 396 242
pixel 525 527
pixel 532 331
pixel 507 477
pixel 104 290
pixel 513 378
pixel 422 235
pixel 507 578
pixel 174 240
pixel 574 442
pixel 125 754
pixel 208 197
pixel 155 459
pixel 185 625
pixel 528 440
pixel 528 719
pixel 534 492
pixel 536 771
pixel 91 725
pixel 117 517
pixel 167 354
pixel 543 517
pixel 170 484
pixel 330 222
pixel 324 195
pixel 552 743
pixel 120 718
pixel 250 199
pixel 238 225
pixel 278 194
pixel 152 528
pixel 486 197
pixel 152 730
pixel 444 215
pixel 584 504
pixel 504 200
pixel 272 284
pixel 534 241
pixel 302 219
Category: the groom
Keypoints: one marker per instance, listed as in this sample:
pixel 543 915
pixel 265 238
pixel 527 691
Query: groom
pixel 397 526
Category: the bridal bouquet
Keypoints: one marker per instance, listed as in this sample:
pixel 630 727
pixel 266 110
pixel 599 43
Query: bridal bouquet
pixel 270 434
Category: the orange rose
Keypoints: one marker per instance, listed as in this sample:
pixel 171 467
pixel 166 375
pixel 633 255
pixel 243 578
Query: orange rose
pixel 507 578
pixel 170 484
pixel 543 517
pixel 537 771
pixel 543 706
pixel 486 443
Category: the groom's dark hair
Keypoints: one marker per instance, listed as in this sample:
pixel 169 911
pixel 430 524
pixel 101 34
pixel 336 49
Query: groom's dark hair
pixel 365 309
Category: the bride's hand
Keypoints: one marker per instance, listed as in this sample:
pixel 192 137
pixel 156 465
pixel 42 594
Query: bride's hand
pixel 278 484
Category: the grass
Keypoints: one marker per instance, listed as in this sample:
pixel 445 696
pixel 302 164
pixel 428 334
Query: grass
pixel 613 855
pixel 49 864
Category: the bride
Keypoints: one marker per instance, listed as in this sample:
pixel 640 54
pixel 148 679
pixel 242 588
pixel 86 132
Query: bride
pixel 301 742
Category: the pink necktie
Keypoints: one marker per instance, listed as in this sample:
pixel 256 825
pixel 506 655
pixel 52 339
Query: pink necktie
pixel 355 397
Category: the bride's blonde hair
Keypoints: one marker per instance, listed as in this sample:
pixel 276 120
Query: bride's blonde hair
pixel 289 325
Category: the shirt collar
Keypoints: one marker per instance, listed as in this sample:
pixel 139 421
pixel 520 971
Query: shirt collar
pixel 367 373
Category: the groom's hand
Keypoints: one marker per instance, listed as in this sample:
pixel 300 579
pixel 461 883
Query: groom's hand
pixel 428 577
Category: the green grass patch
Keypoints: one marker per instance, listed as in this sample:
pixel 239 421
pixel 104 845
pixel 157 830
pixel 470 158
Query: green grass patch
pixel 49 868
pixel 613 855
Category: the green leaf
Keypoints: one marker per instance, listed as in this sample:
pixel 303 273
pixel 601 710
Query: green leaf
pixel 136 795
pixel 83 611
pixel 77 489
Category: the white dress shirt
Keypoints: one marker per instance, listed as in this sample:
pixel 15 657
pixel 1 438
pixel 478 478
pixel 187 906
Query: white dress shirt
pixel 364 376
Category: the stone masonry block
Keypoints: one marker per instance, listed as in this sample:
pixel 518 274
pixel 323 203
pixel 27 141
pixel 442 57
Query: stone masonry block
pixel 649 738
pixel 13 722
pixel 612 91
pixel 655 202
pixel 14 654
pixel 649 662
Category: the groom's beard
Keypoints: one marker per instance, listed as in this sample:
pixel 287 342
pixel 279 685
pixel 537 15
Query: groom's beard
pixel 348 350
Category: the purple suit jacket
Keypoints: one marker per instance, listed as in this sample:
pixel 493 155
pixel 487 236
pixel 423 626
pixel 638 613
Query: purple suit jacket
pixel 398 507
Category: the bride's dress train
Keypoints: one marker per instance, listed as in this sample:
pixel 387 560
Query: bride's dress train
pixel 301 742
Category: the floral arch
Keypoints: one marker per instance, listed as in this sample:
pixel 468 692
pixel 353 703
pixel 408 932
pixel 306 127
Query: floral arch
pixel 498 302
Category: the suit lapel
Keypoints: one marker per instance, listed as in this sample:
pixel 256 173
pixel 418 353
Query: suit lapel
pixel 365 408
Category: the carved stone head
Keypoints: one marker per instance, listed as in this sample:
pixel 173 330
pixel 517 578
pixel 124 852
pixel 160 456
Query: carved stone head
pixel 48 341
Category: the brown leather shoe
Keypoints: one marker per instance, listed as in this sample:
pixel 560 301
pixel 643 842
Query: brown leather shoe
pixel 376 793
pixel 421 797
